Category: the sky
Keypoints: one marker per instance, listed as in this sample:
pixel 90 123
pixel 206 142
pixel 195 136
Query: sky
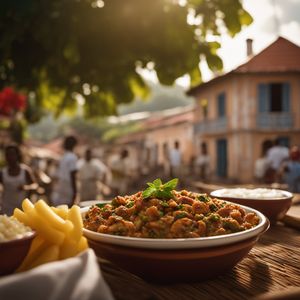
pixel 272 18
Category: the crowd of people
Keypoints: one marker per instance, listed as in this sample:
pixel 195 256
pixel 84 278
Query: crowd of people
pixel 73 179
pixel 69 180
pixel 279 163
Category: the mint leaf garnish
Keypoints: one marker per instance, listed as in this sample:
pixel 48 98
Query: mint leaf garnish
pixel 159 190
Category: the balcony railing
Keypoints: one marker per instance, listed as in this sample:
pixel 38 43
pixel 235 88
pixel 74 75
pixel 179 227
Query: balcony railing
pixel 278 120
pixel 211 126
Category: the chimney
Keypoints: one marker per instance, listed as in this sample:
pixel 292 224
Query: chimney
pixel 249 43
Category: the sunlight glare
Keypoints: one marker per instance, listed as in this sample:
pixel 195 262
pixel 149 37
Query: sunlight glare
pixel 98 4
pixel 86 89
pixel 183 81
pixel 182 2
pixel 80 99
pixel 191 19
pixel 148 74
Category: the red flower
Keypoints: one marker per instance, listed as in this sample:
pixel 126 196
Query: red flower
pixel 11 101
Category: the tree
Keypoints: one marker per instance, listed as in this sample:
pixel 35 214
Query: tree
pixel 62 49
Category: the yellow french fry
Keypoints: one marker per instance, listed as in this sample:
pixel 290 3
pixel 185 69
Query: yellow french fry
pixel 51 217
pixel 64 207
pixel 68 248
pixel 38 245
pixel 22 217
pixel 27 205
pixel 82 244
pixel 61 210
pixel 59 232
pixel 75 217
pixel 50 254
pixel 49 233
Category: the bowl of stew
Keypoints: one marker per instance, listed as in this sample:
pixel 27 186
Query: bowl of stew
pixel 273 203
pixel 190 237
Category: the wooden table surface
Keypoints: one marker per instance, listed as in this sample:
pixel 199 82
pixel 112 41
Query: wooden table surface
pixel 272 266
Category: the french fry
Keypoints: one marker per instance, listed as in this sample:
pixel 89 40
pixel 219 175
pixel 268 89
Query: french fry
pixel 61 210
pixel 52 218
pixel 49 233
pixel 22 217
pixel 59 232
pixel 68 248
pixel 38 245
pixel 75 217
pixel 50 254
pixel 82 244
pixel 27 205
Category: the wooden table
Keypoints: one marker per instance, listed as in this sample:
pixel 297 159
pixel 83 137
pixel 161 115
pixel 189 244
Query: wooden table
pixel 272 266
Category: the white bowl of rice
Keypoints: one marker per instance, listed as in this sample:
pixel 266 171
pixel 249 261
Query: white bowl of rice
pixel 273 203
pixel 15 241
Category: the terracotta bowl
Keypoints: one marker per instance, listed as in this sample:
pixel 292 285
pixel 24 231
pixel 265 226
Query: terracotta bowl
pixel 13 252
pixel 273 208
pixel 176 260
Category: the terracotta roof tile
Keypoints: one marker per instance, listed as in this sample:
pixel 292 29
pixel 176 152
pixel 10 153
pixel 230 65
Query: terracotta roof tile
pixel 280 56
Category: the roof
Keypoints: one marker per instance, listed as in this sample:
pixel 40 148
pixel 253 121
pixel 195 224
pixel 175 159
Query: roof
pixel 185 115
pixel 280 56
pixel 156 121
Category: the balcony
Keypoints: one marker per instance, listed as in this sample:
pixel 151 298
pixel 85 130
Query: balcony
pixel 211 126
pixel 278 120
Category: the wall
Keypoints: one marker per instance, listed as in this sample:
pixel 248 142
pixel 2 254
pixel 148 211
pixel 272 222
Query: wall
pixel 243 136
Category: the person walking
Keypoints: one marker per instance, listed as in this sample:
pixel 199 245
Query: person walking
pixel 16 179
pixel 291 170
pixel 203 163
pixel 122 173
pixel 92 171
pixel 175 161
pixel 262 168
pixel 166 160
pixel 276 155
pixel 65 191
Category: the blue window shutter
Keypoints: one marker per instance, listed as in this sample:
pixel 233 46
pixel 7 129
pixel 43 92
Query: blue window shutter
pixel 284 141
pixel 286 97
pixel 263 97
pixel 222 157
pixel 221 105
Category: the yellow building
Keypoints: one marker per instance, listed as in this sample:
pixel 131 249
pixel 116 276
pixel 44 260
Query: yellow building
pixel 257 101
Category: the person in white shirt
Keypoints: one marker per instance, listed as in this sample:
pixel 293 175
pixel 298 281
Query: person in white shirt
pixel 276 155
pixel 65 191
pixel 91 172
pixel 262 168
pixel 122 170
pixel 175 160
pixel 16 179
pixel 203 162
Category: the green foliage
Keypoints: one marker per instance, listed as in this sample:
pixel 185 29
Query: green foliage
pixel 72 47
pixel 159 190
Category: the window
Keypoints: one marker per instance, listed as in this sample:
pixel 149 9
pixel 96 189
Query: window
pixel 221 99
pixel 274 97
pixel 284 141
pixel 204 106
pixel 222 157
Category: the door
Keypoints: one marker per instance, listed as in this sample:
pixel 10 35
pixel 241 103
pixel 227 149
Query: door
pixel 222 157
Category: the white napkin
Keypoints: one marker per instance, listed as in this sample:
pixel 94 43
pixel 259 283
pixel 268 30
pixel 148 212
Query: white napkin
pixel 76 278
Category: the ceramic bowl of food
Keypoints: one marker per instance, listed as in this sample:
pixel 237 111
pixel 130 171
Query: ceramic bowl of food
pixel 191 239
pixel 15 241
pixel 273 203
